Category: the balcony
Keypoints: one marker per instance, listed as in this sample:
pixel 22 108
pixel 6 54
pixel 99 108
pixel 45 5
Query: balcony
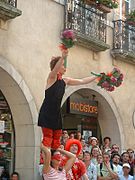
pixel 8 9
pixel 124 41
pixel 88 23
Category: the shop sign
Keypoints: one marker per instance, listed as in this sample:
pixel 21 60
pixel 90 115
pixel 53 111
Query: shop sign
pixel 82 106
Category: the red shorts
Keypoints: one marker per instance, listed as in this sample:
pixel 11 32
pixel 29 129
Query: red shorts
pixel 51 138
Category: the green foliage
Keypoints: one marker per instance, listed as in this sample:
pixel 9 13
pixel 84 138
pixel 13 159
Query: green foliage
pixel 131 16
pixel 68 42
pixel 109 3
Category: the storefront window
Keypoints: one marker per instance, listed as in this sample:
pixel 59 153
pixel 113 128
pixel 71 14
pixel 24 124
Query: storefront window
pixel 6 136
pixel 81 114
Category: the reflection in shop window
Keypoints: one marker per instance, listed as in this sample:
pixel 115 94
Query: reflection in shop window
pixel 6 136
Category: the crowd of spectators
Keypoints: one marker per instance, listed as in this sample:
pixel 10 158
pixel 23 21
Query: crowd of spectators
pixel 103 161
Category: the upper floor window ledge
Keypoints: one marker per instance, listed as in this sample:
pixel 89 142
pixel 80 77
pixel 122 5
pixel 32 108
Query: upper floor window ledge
pixel 8 9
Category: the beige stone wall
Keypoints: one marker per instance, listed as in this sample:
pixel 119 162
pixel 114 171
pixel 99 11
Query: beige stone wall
pixel 29 41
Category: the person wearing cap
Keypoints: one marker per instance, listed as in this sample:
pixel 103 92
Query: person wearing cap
pixel 78 170
pixel 51 168
pixel 126 170
pixel 92 141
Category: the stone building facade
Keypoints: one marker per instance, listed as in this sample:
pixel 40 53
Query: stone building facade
pixel 27 44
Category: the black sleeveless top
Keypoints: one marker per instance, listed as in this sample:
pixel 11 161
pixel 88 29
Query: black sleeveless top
pixel 50 111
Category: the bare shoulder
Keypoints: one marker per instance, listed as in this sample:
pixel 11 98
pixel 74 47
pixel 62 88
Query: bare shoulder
pixel 66 79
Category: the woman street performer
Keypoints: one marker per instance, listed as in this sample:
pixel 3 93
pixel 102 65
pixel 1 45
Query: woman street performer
pixel 50 118
pixel 52 160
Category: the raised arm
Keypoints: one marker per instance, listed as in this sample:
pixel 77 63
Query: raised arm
pixel 74 82
pixel 70 161
pixel 47 158
pixel 111 172
pixel 53 73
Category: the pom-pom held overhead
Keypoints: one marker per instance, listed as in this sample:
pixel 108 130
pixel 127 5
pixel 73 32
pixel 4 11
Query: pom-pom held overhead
pixel 67 41
pixel 67 38
pixel 110 80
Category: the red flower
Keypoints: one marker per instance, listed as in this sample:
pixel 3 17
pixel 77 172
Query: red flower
pixel 110 80
pixel 68 39
pixel 68 34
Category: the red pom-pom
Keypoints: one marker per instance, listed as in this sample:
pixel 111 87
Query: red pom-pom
pixel 70 142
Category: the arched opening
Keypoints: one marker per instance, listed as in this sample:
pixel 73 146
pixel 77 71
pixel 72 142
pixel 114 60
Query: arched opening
pixel 24 116
pixel 7 137
pixel 108 116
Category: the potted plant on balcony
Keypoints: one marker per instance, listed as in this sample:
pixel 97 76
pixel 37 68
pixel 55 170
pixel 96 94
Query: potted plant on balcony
pixel 90 2
pixel 103 5
pixel 130 19
pixel 106 5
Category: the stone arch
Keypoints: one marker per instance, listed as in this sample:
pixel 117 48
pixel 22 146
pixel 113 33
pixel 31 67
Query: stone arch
pixel 112 116
pixel 24 114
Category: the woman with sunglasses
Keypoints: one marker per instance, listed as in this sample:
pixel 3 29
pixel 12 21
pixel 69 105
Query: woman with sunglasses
pixel 52 168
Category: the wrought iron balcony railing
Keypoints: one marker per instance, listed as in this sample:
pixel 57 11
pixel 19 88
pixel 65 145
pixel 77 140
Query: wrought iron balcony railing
pixel 124 40
pixel 88 23
pixel 11 2
pixel 8 9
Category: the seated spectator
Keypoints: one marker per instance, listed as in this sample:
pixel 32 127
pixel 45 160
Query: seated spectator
pixel 106 170
pixel 126 170
pixel 15 176
pixel 91 169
